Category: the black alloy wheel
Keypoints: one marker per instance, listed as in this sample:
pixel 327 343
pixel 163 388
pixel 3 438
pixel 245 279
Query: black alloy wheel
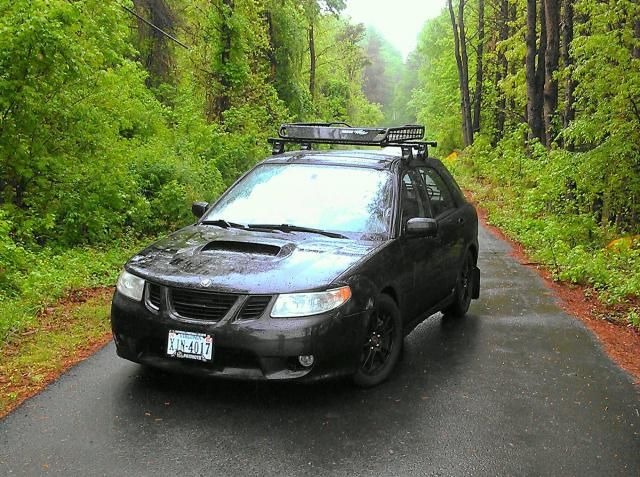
pixel 383 344
pixel 464 289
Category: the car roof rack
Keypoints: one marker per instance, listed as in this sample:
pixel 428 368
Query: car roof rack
pixel 408 138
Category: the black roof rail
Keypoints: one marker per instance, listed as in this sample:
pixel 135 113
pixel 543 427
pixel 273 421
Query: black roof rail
pixel 407 137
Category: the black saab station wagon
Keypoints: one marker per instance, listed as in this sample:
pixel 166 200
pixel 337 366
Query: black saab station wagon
pixel 313 264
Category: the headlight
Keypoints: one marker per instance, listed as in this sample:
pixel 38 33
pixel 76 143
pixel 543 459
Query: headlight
pixel 130 285
pixel 305 304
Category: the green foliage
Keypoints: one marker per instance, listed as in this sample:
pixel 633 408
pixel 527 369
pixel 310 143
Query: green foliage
pixel 340 67
pixel 388 80
pixel 41 278
pixel 574 204
pixel 608 96
pixel 437 99
pixel 12 257
pixel 287 55
pixel 109 130
pixel 382 74
pixel 530 194
pixel 88 152
pixel 57 110
pixel 401 108
pixel 634 318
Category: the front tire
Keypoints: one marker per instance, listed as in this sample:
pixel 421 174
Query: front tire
pixel 464 289
pixel 382 346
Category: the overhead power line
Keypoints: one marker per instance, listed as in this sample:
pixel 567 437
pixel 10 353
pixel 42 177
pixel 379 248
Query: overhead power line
pixel 156 28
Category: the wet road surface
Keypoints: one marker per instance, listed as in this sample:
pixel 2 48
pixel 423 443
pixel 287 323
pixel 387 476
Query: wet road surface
pixel 517 388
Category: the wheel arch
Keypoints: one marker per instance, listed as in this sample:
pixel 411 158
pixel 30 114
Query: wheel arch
pixel 391 292
pixel 473 248
pixel 475 293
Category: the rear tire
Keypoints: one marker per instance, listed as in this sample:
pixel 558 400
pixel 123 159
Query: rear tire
pixel 383 344
pixel 464 289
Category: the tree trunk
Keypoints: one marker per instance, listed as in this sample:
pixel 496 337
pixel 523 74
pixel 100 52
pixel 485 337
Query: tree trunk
pixel 636 31
pixel 223 101
pixel 312 58
pixel 462 61
pixel 271 54
pixel 157 54
pixel 540 72
pixel 513 67
pixel 530 64
pixel 551 60
pixel 502 69
pixel 567 38
pixel 465 70
pixel 534 76
pixel 477 100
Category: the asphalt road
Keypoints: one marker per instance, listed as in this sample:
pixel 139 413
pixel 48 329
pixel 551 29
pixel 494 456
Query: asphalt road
pixel 518 388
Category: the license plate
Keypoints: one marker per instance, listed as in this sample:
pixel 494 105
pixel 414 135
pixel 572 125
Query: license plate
pixel 187 345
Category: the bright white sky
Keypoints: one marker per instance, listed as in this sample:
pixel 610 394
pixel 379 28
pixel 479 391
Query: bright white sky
pixel 399 21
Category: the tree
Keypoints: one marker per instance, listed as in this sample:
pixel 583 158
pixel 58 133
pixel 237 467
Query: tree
pixel 551 61
pixel 567 39
pixel 154 47
pixel 375 86
pixel 341 60
pixel 313 9
pixel 535 74
pixel 383 78
pixel 462 61
pixel 502 66
pixel 436 99
pixel 477 97
pixel 287 48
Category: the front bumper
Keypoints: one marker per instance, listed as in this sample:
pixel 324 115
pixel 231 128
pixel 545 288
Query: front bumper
pixel 263 349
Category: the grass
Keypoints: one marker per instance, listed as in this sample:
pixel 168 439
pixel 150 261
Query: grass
pixel 47 277
pixel 61 336
pixel 55 314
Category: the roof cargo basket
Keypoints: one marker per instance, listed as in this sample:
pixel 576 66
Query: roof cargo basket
pixel 407 137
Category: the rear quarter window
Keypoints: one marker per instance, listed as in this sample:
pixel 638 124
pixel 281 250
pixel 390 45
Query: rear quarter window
pixel 440 195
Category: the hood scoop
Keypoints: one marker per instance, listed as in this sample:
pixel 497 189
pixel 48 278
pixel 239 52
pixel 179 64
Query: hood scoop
pixel 241 247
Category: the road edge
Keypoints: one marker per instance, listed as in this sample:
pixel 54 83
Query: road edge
pixel 621 343
pixel 28 387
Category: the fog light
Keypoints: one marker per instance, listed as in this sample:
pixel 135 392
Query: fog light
pixel 306 360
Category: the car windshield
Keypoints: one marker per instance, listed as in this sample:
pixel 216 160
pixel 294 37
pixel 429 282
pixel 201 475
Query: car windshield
pixel 347 200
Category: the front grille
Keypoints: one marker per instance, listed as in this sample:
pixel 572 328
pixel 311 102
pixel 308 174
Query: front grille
pixel 254 307
pixel 200 305
pixel 154 294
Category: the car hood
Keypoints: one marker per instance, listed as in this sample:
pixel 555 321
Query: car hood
pixel 242 261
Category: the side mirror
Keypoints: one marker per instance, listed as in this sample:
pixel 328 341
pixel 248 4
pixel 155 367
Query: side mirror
pixel 199 208
pixel 422 227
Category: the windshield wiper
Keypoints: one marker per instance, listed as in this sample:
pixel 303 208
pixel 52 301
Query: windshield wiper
pixel 223 223
pixel 296 228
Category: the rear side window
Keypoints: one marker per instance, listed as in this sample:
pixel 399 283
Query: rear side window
pixel 438 192
pixel 414 201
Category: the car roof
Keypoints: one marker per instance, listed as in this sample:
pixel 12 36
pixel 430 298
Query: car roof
pixel 371 158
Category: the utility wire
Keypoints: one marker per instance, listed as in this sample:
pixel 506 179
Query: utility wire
pixel 158 29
